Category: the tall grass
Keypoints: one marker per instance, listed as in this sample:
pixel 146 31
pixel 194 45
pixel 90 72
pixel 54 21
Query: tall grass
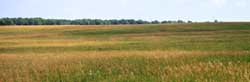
pixel 203 52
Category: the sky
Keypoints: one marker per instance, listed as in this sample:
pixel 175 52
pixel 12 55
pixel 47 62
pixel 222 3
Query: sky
pixel 195 10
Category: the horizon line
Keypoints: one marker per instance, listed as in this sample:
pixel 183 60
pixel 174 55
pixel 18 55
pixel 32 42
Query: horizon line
pixel 161 20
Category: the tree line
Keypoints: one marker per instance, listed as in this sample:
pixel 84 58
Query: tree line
pixel 41 21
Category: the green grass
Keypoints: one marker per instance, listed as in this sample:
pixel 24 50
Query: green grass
pixel 201 52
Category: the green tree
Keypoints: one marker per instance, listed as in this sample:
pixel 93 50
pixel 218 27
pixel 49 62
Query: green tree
pixel 155 22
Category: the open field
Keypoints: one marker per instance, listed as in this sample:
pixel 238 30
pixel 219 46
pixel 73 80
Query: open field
pixel 202 52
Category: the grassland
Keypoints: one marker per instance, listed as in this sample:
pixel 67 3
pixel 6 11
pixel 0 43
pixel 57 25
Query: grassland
pixel 202 52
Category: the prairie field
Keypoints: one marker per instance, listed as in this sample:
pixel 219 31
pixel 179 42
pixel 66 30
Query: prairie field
pixel 198 52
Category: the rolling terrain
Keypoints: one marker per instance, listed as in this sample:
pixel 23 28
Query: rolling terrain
pixel 198 52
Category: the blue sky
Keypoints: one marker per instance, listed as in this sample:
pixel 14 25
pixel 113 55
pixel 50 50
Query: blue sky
pixel 196 10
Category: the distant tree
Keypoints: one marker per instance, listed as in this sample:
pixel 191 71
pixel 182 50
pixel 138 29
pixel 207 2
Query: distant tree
pixel 123 21
pixel 169 21
pixel 98 22
pixel 20 21
pixel 8 21
pixel 180 21
pixel 50 22
pixel 2 22
pixel 132 21
pixel 38 21
pixel 216 21
pixel 106 22
pixel 163 22
pixel 139 22
pixel 155 22
pixel 114 21
pixel 189 21
pixel 41 21
pixel 84 22
pixel 31 22
pixel 88 21
pixel 60 22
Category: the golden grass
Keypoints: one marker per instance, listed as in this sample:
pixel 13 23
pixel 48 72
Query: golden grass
pixel 110 54
pixel 20 67
pixel 125 53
